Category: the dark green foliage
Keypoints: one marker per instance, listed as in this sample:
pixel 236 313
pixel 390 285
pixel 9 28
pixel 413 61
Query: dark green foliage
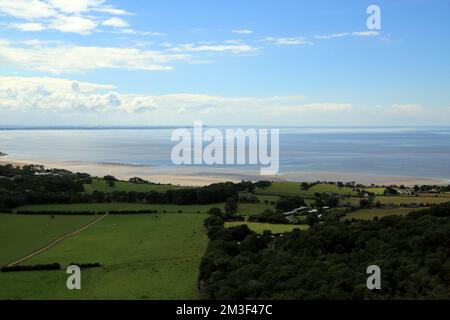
pixel 268 216
pixel 439 210
pixel 329 261
pixel 213 221
pixel 231 205
pixel 389 191
pixel 263 184
pixel 285 204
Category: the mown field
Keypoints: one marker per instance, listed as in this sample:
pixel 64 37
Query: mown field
pixel 102 186
pixel 261 227
pixel 143 257
pixel 20 235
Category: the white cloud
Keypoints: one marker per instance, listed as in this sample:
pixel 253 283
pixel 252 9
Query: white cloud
pixel 403 109
pixel 243 31
pixel 287 41
pixel 333 35
pixel 366 33
pixel 29 26
pixel 59 58
pixel 27 9
pixel 312 107
pixel 73 24
pixel 142 33
pixel 347 34
pixel 115 22
pixel 74 6
pixel 77 16
pixel 235 48
pixel 55 94
pixel 55 97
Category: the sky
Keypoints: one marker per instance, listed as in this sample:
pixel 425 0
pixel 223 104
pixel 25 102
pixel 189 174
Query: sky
pixel 255 62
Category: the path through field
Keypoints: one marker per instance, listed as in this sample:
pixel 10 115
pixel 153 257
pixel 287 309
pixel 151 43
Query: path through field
pixel 55 242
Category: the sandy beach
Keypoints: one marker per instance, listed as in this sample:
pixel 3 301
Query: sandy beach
pixel 195 176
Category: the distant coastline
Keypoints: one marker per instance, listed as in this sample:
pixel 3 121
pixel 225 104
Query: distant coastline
pixel 200 176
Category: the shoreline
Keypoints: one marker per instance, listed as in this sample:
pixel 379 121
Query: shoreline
pixel 194 176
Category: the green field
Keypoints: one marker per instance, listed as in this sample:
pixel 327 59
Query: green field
pixel 293 188
pixel 21 235
pixel 405 200
pixel 376 191
pixel 250 209
pixel 263 198
pixel 143 257
pixel 261 227
pixel 369 214
pixel 102 186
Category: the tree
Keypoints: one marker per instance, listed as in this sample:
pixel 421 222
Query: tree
pixel 285 204
pixel 215 212
pixel 304 186
pixel 231 205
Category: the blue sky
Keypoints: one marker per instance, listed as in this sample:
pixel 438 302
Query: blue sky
pixel 224 62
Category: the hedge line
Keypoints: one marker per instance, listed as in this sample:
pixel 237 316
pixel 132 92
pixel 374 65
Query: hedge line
pixel 36 267
pixel 60 213
pixel 86 265
pixel 133 211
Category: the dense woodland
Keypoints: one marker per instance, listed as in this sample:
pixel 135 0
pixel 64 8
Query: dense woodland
pixel 329 261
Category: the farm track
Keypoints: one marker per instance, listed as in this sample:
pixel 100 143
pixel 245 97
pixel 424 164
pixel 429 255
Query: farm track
pixel 56 241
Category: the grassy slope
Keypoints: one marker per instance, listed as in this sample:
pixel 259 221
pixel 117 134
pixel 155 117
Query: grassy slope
pixel 20 235
pixel 260 227
pixel 144 257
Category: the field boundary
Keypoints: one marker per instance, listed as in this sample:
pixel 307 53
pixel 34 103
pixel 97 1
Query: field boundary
pixel 56 241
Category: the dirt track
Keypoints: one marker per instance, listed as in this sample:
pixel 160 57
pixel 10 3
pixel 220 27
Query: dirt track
pixel 55 242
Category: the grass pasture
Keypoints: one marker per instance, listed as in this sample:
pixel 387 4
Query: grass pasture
pixel 261 227
pixel 143 257
pixel 20 235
